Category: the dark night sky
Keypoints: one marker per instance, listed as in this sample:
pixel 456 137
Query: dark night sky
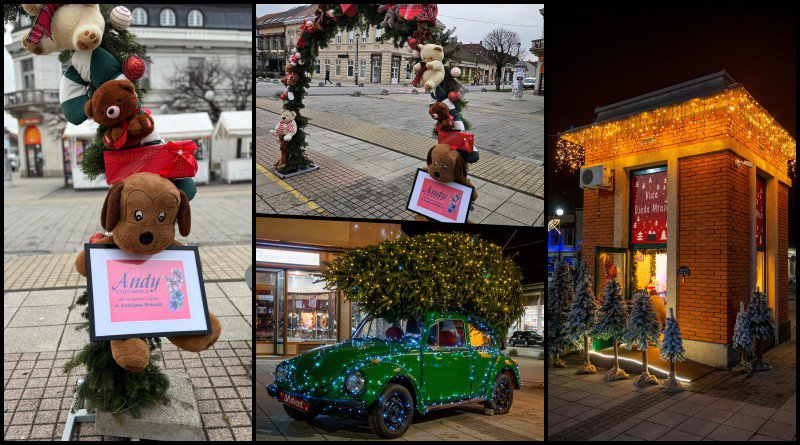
pixel 600 54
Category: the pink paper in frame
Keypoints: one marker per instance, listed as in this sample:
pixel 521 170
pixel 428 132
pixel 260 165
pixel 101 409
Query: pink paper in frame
pixel 151 290
pixel 446 202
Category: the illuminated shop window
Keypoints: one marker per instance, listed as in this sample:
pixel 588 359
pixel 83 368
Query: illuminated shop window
pixel 761 219
pixel 649 235
pixel 311 309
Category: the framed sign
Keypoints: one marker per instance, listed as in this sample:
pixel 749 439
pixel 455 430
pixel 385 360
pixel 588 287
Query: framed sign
pixel 138 296
pixel 649 206
pixel 441 202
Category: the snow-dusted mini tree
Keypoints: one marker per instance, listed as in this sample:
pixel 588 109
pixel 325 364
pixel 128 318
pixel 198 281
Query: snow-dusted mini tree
pixel 560 293
pixel 672 351
pixel 611 322
pixel 742 340
pixel 762 327
pixel 643 327
pixel 583 316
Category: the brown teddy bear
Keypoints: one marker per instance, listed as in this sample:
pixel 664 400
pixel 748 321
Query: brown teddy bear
pixel 446 165
pixel 291 77
pixel 115 105
pixel 141 212
pixel 441 113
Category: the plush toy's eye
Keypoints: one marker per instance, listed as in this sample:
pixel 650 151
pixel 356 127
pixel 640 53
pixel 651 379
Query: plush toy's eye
pixel 444 166
pixel 113 112
pixel 161 216
pixel 435 163
pixel 138 215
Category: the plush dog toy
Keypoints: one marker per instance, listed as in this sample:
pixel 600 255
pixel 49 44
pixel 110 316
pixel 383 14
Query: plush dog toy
pixel 115 105
pixel 446 165
pixel 59 27
pixel 284 131
pixel 433 74
pixel 141 212
pixel 291 77
pixel 441 113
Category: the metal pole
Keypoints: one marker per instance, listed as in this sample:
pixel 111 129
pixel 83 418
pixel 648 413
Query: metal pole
pixel 355 65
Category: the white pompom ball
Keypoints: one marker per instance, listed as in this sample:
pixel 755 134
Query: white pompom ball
pixel 455 71
pixel 120 18
pixel 297 53
pixel 309 23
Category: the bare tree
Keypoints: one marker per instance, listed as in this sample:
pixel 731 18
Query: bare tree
pixel 502 47
pixel 231 85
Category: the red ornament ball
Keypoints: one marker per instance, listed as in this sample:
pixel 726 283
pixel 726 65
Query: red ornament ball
pixel 95 237
pixel 412 42
pixel 454 96
pixel 283 96
pixel 133 68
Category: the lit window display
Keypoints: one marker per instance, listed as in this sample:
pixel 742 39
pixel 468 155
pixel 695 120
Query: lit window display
pixel 311 309
pixel 761 255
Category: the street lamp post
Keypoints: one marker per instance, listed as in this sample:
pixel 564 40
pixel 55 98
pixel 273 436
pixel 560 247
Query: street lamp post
pixel 559 212
pixel 355 65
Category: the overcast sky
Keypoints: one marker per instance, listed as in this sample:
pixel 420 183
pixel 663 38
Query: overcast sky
pixel 473 22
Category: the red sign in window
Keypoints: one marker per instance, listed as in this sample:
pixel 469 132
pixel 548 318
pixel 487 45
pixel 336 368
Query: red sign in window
pixel 760 210
pixel 649 218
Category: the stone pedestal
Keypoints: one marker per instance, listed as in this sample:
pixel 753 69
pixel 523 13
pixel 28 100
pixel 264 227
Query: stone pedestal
pixel 177 420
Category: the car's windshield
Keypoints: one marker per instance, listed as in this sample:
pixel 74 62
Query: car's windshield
pixel 382 329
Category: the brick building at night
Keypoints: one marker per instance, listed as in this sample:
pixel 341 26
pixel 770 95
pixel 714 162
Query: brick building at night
pixel 686 192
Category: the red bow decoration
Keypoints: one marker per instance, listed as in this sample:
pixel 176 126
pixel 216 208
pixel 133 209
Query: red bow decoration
pixel 184 164
pixel 95 237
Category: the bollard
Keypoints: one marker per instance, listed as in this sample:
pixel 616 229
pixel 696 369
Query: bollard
pixel 321 84
pixel 356 93
pixel 483 90
pixel 384 92
pixel 414 91
pixel 338 84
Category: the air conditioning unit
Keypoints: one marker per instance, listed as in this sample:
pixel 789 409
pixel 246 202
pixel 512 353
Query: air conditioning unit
pixel 596 177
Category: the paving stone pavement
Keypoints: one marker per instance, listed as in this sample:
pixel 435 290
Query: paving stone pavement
pixel 525 421
pixel 719 406
pixel 526 177
pixel 357 179
pixel 39 338
pixel 511 129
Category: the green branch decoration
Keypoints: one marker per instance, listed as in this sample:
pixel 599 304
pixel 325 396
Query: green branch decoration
pixel 317 32
pixel 407 276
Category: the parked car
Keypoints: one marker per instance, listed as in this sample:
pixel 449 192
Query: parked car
pixel 526 338
pixel 389 370
pixel 528 83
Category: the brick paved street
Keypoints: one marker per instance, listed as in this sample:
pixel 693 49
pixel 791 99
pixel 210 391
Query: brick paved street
pixel 525 421
pixel 44 227
pixel 361 179
pixel 719 406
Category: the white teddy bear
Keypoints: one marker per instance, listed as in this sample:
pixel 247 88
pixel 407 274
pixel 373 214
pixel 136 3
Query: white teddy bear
pixel 72 26
pixel 433 72
pixel 286 126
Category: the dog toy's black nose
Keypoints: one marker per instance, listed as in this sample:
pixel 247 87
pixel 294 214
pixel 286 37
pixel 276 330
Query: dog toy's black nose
pixel 146 238
pixel 436 174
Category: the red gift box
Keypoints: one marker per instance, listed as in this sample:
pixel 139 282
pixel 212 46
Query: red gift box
pixel 421 12
pixel 457 140
pixel 349 10
pixel 171 160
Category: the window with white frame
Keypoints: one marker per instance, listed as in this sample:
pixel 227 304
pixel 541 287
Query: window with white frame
pixel 317 62
pixel 378 33
pixel 139 17
pixel 167 17
pixel 338 67
pixel 364 34
pixel 351 36
pixel 350 68
pixel 363 68
pixel 195 18
pixel 339 37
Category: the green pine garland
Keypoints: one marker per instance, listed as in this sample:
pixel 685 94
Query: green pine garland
pixel 326 29
pixel 407 276
pixel 109 387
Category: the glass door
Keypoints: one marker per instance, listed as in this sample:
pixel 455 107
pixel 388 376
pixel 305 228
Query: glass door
pixel 395 70
pixel 609 262
pixel 270 299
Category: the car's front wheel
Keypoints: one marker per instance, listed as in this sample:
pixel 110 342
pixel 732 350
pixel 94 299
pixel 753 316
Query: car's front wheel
pixel 502 395
pixel 296 414
pixel 391 414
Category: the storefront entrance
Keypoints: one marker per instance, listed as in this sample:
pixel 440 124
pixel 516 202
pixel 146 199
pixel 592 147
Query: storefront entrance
pixel 33 152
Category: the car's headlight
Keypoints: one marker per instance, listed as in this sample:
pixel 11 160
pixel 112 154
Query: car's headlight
pixel 354 382
pixel 280 372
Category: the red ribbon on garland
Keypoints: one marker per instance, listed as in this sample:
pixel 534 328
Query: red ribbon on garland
pixel 170 160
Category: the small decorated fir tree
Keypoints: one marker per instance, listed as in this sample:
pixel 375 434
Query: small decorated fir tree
pixel 583 316
pixel 560 294
pixel 672 351
pixel 762 327
pixel 643 327
pixel 742 340
pixel 611 323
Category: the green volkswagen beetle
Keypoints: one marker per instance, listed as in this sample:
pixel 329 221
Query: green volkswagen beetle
pixel 390 369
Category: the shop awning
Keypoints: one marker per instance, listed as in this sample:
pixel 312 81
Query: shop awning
pixel 169 126
pixel 234 124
